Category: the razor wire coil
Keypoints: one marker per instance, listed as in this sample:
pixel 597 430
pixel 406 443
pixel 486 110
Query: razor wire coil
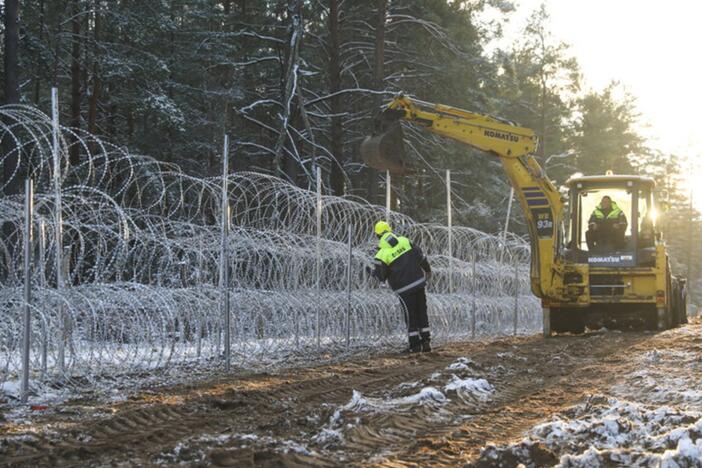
pixel 142 251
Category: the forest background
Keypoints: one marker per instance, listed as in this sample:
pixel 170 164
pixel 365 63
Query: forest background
pixel 295 83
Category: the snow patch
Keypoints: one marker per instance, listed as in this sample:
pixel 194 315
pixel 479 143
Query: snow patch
pixel 11 388
pixel 479 388
pixel 358 403
pixel 462 363
pixel 408 385
pixel 610 432
pixel 195 449
pixel 345 416
pixel 511 355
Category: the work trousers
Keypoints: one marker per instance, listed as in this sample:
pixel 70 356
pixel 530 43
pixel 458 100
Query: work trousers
pixel 414 304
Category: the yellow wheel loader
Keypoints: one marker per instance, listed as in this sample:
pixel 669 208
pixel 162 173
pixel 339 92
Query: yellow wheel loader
pixel 614 278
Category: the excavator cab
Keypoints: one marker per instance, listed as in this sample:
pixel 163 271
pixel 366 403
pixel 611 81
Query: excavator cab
pixel 611 221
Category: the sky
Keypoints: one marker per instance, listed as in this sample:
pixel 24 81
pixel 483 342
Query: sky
pixel 652 48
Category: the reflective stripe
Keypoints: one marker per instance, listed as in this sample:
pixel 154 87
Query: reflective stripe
pixel 421 280
pixel 413 333
pixel 425 330
pixel 377 262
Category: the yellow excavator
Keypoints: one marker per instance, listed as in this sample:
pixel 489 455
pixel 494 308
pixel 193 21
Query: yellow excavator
pixel 583 278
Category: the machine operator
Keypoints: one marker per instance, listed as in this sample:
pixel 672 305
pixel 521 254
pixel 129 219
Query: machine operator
pixel 606 227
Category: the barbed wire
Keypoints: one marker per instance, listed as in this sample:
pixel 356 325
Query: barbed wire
pixel 141 258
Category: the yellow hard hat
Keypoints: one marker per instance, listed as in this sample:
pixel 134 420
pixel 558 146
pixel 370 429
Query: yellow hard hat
pixel 381 227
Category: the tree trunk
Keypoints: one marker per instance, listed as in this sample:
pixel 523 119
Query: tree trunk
pixel 378 76
pixel 11 179
pixel 542 144
pixel 288 85
pixel 379 50
pixel 74 154
pixel 336 177
pixel 38 71
pixel 9 152
pixel 11 90
pixel 242 9
pixel 95 92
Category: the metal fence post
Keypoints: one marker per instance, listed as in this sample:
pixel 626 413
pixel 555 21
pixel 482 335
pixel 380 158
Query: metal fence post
pixel 224 255
pixel 450 230
pixel 319 255
pixel 516 294
pixel 27 332
pixel 199 340
pixel 42 283
pixel 349 267
pixel 388 195
pixel 473 284
pixel 58 230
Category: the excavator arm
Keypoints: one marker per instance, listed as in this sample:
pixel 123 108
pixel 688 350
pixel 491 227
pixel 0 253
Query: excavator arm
pixel 513 145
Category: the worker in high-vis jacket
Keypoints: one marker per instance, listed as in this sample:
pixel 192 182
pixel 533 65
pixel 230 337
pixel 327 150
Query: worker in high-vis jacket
pixel 406 270
pixel 606 227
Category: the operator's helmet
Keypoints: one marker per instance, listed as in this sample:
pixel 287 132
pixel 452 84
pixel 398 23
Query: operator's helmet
pixel 381 227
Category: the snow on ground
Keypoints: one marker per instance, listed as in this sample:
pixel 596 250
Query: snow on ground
pixel 194 449
pixel 349 415
pixel 606 431
pixel 652 417
pixel 656 382
pixel 434 392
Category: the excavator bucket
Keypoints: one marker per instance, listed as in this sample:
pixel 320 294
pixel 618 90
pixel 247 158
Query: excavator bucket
pixel 385 150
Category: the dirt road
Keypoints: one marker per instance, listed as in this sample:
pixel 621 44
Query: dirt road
pixel 573 400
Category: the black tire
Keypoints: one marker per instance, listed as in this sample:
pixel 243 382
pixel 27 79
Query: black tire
pixel 682 307
pixel 567 321
pixel 674 305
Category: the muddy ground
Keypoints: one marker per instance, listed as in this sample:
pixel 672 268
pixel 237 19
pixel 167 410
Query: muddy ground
pixel 603 398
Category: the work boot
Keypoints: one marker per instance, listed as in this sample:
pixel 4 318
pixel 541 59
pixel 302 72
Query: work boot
pixel 411 350
pixel 415 345
pixel 425 337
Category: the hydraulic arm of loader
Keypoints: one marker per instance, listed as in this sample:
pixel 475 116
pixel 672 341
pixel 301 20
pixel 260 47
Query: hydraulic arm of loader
pixel 513 145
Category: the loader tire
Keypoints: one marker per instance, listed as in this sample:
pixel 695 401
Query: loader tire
pixel 547 324
pixel 682 307
pixel 567 321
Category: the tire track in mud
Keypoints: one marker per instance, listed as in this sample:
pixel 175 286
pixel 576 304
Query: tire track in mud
pixel 520 401
pixel 523 401
pixel 140 430
pixel 531 376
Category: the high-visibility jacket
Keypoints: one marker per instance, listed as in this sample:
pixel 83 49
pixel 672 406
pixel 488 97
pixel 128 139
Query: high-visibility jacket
pixel 402 264
pixel 614 213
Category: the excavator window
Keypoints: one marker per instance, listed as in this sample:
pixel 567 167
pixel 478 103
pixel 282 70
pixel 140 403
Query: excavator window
pixel 610 225
pixel 647 217
pixel 603 221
